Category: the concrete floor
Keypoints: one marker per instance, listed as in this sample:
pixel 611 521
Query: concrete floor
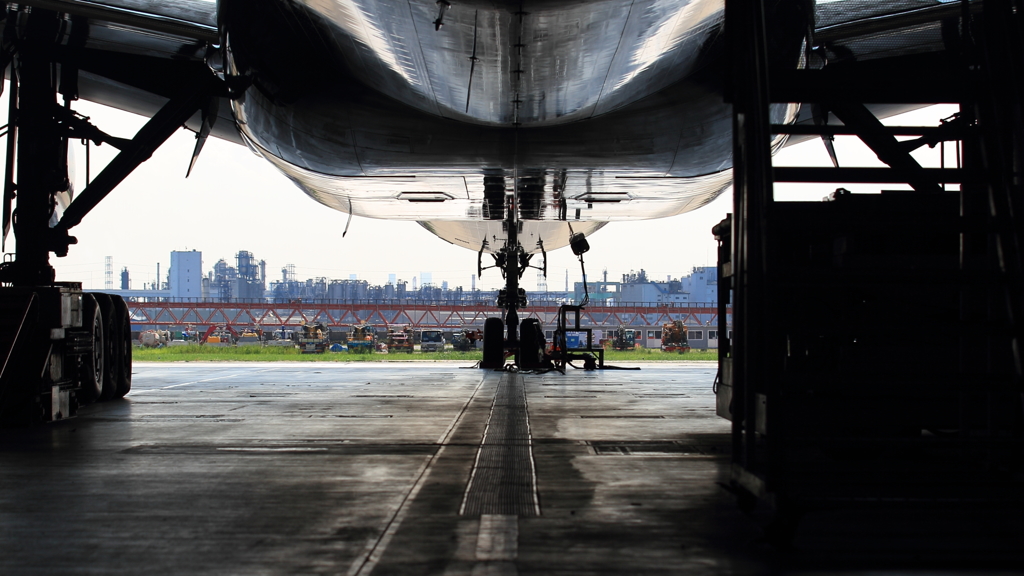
pixel 280 468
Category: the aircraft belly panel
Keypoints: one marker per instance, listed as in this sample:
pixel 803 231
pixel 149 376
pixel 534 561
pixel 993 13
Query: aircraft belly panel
pixel 471 235
pixel 532 63
pixel 682 131
pixel 550 196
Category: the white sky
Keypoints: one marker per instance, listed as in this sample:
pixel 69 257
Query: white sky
pixel 236 201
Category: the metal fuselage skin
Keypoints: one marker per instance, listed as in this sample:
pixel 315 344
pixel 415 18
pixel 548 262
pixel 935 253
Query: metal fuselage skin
pixel 581 112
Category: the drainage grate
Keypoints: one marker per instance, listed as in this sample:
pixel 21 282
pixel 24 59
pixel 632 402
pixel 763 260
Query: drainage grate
pixel 503 479
pixel 649 448
pixel 625 416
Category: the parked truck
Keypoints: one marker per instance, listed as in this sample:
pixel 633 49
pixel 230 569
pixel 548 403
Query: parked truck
pixel 674 337
pixel 432 341
pixel 400 339
pixel 362 339
pixel 314 338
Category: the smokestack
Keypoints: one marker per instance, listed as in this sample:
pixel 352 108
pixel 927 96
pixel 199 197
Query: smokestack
pixel 157 275
pixel 472 281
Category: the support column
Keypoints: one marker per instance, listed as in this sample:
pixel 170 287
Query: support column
pixel 752 198
pixel 42 158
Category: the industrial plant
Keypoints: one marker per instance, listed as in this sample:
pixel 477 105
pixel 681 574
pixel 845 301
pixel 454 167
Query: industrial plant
pixel 247 281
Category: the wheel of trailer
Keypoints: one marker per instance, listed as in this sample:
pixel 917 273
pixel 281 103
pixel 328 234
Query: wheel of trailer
pixel 531 345
pixel 94 363
pixel 111 346
pixel 494 343
pixel 124 373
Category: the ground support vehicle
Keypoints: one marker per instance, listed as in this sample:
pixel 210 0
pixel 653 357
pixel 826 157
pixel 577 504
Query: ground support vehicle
pixel 624 338
pixel 571 342
pixel 400 339
pixel 432 341
pixel 250 337
pixel 467 340
pixel 282 337
pixel 674 337
pixel 362 339
pixel 60 348
pixel 155 338
pixel 314 338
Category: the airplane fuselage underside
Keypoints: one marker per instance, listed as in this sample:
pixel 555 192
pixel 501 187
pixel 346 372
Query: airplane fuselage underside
pixel 584 112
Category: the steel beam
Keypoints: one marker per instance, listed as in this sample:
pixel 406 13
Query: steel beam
pixel 160 127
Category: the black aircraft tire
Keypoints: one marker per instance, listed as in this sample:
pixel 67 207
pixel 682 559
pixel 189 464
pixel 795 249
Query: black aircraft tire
pixel 494 344
pixel 124 376
pixel 93 364
pixel 111 346
pixel 531 348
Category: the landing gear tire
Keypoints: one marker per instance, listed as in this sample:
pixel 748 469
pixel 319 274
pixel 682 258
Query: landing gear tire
pixel 494 344
pixel 531 345
pixel 111 346
pixel 94 366
pixel 124 376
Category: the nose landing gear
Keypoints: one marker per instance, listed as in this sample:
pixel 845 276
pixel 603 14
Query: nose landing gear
pixel 526 343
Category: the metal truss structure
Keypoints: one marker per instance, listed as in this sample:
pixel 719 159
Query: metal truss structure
pixel 415 315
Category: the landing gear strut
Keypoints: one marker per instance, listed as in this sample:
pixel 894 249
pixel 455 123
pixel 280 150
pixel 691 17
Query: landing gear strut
pixel 513 261
pixel 526 341
pixel 60 347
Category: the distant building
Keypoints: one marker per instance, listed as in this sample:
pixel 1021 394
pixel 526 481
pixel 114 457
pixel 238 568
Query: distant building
pixel 186 274
pixel 701 284
pixel 699 287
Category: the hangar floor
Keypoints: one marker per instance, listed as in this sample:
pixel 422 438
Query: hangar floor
pixel 218 468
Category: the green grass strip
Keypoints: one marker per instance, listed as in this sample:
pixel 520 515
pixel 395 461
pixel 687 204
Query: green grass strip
pixel 195 352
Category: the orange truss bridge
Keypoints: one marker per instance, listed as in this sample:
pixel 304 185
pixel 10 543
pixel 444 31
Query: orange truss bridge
pixel 441 315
